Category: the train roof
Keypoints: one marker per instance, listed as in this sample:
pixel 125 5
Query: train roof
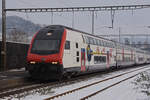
pixel 62 26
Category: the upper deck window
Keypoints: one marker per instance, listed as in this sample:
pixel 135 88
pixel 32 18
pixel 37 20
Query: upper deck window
pixel 94 41
pixel 91 40
pixel 87 40
pixel 67 45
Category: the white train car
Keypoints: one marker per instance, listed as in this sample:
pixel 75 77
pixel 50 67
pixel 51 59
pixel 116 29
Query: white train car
pixel 66 51
pixel 140 57
pixel 86 52
pixel 125 55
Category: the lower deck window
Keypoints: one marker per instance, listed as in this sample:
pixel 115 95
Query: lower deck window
pixel 140 59
pixel 99 59
pixel 77 59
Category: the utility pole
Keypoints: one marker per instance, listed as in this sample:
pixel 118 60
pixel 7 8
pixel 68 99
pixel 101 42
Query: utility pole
pixel 119 34
pixel 92 22
pixel 52 18
pixel 73 19
pixel 3 48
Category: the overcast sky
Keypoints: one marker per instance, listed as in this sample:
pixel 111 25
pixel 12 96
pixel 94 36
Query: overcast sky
pixel 129 21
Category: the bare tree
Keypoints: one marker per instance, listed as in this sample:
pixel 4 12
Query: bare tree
pixel 18 36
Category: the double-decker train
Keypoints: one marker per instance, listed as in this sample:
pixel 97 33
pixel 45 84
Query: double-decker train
pixel 56 51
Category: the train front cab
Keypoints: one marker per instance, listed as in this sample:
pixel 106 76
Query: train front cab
pixel 46 52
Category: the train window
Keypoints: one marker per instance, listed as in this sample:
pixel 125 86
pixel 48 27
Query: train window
pixel 99 59
pixel 94 41
pixel 77 59
pixel 97 42
pixel 113 45
pixel 107 44
pixel 67 45
pixel 110 45
pixel 87 40
pixel 100 42
pixel 104 59
pixel 83 37
pixel 91 40
pixel 76 45
pixel 77 53
pixel 96 59
pixel 104 43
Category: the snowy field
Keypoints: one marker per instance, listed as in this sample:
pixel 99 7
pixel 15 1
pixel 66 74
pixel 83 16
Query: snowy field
pixel 137 88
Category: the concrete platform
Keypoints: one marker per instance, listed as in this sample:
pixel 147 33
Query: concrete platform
pixel 13 78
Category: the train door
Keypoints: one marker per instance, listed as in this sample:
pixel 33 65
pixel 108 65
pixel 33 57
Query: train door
pixel 108 59
pixel 76 54
pixel 83 59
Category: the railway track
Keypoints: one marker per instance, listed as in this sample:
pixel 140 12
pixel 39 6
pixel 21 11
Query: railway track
pixel 56 84
pixel 23 89
pixel 82 89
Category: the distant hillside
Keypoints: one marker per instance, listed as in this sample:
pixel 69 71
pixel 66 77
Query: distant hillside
pixel 21 24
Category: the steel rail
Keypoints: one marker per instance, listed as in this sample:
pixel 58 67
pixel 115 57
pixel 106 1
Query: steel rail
pixel 85 86
pixel 22 89
pixel 93 94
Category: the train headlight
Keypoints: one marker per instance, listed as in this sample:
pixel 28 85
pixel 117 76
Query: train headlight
pixel 32 62
pixel 54 62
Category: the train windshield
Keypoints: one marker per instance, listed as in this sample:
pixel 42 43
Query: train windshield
pixel 45 46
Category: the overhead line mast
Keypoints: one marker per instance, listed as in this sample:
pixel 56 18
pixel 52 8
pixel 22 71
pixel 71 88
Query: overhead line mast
pixel 3 48
pixel 81 9
pixel 76 9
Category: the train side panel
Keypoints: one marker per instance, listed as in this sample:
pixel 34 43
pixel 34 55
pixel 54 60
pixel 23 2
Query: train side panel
pixel 82 56
pixel 72 51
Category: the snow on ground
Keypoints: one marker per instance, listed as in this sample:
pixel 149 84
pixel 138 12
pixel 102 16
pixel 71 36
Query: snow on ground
pixel 127 90
pixel 123 91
